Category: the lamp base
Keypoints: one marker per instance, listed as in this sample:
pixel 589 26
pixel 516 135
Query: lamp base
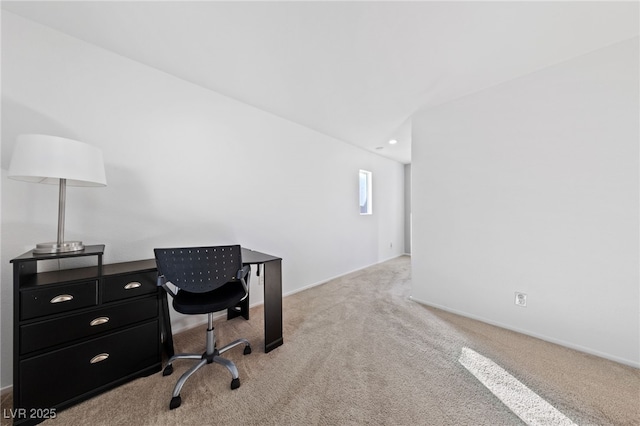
pixel 54 248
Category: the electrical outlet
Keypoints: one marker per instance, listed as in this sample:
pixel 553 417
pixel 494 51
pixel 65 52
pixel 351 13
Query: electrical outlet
pixel 521 299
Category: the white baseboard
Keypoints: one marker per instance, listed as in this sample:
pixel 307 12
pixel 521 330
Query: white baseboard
pixel 324 281
pixel 5 390
pixel 560 342
pixel 187 322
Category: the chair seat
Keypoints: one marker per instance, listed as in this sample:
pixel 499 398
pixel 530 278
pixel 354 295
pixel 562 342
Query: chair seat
pixel 220 299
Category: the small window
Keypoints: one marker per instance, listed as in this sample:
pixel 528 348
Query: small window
pixel 365 192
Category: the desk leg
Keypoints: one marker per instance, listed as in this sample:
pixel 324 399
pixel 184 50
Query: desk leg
pixel 272 305
pixel 165 325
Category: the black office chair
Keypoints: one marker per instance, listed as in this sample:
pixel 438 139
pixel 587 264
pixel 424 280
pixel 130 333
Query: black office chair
pixel 208 280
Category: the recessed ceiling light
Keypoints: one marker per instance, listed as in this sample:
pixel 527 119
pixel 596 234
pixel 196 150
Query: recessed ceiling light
pixel 393 142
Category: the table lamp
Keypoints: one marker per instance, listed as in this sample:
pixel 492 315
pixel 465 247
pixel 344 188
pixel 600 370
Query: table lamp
pixel 55 160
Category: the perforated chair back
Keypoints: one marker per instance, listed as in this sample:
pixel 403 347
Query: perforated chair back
pixel 199 269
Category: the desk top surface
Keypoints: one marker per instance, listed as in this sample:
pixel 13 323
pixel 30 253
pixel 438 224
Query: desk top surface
pixel 252 257
pixel 136 266
pixel 249 257
pixel 30 256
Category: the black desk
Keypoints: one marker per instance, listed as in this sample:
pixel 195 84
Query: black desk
pixel 272 275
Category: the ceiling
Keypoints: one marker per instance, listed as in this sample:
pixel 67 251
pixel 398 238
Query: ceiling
pixel 357 70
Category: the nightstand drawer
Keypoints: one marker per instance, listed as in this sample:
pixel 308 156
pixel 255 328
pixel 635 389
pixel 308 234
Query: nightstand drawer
pixel 56 299
pixel 117 287
pixel 59 376
pixel 45 334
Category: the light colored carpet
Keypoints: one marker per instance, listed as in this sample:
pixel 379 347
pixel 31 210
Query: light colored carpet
pixel 358 351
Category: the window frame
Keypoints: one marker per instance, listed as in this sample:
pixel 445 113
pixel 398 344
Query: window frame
pixel 365 185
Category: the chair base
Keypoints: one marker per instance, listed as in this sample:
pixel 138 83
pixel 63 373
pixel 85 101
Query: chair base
pixel 212 355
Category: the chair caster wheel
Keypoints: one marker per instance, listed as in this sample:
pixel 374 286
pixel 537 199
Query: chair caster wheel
pixel 235 383
pixel 175 402
pixel 247 350
pixel 168 370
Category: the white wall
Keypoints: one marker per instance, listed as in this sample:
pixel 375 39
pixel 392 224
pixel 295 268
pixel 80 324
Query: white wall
pixel 532 186
pixel 185 166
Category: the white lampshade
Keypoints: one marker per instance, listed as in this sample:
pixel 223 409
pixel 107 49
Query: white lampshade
pixel 47 159
pixel 51 159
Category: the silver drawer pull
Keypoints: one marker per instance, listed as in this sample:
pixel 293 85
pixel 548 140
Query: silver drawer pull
pixel 98 321
pixel 62 298
pixel 98 358
pixel 131 285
